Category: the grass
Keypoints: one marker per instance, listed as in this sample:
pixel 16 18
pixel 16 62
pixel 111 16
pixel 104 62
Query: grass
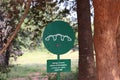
pixel 38 57
pixel 35 61
pixel 24 70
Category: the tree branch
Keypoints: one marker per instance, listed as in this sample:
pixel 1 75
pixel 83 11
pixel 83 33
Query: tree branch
pixel 28 4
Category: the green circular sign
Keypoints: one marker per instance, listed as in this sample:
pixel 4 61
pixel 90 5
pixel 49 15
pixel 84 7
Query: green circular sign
pixel 58 37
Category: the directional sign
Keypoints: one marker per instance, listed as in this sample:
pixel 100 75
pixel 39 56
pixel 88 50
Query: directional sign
pixel 58 37
pixel 63 65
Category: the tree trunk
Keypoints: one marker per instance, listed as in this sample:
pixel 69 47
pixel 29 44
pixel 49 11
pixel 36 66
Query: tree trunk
pixel 106 23
pixel 86 56
pixel 5 43
pixel 2 57
pixel 118 44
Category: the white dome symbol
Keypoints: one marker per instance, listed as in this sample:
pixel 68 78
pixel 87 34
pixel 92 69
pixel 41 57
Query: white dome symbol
pixel 55 37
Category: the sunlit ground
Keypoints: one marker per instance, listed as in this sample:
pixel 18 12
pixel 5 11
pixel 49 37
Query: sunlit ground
pixel 34 62
pixel 41 57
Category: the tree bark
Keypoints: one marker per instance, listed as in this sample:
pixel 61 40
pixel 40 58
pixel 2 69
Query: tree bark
pixel 86 56
pixel 4 52
pixel 118 44
pixel 106 24
pixel 28 4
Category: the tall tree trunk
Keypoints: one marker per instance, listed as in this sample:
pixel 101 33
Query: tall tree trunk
pixel 118 46
pixel 118 43
pixel 86 56
pixel 1 55
pixel 106 23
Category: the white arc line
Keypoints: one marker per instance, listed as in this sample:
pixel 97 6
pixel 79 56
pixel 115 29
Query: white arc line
pixel 54 37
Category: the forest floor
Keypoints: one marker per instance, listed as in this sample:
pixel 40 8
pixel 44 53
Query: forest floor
pixel 33 76
pixel 32 66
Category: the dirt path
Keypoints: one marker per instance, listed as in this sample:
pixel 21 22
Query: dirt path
pixel 37 76
pixel 33 76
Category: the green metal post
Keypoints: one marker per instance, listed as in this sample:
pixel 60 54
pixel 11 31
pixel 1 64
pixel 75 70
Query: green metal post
pixel 58 73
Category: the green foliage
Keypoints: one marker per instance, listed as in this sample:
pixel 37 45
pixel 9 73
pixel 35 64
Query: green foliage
pixel 4 71
pixel 3 76
pixel 41 13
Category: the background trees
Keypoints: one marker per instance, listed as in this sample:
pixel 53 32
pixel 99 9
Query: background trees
pixel 41 12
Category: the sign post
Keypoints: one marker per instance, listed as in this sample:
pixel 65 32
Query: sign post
pixel 58 38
